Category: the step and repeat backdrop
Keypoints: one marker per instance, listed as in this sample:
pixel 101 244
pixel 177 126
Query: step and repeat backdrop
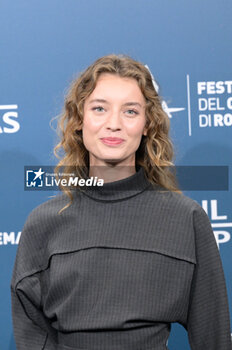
pixel 44 45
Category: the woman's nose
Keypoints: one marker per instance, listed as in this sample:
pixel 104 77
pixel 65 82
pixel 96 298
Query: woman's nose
pixel 113 120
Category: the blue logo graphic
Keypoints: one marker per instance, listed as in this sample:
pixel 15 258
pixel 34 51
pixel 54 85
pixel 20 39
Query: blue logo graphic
pixel 34 178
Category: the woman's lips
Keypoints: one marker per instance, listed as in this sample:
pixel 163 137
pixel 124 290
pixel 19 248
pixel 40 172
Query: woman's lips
pixel 112 140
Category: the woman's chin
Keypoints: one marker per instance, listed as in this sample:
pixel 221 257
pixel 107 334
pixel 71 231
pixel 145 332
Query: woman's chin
pixel 108 159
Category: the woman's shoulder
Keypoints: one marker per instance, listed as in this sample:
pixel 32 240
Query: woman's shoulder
pixel 37 232
pixel 185 212
pixel 41 220
pixel 183 202
pixel 174 202
pixel 50 207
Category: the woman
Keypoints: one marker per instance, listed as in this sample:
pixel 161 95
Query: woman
pixel 111 268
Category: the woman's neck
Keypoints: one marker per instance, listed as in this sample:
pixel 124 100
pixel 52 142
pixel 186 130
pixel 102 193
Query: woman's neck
pixel 111 172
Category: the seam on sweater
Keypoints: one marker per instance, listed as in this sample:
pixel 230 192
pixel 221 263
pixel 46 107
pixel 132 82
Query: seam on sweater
pixel 158 251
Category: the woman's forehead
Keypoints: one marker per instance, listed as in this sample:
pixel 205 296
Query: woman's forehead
pixel 113 86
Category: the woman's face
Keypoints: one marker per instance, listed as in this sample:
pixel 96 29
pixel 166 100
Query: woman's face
pixel 114 121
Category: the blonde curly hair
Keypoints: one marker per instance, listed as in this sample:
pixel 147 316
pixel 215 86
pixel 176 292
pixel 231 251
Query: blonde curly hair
pixel 155 152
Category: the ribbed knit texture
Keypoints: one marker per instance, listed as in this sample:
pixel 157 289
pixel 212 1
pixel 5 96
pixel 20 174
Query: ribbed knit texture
pixel 115 269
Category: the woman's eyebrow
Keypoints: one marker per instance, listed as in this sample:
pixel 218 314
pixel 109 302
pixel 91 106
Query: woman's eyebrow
pixel 125 104
pixel 98 100
pixel 132 104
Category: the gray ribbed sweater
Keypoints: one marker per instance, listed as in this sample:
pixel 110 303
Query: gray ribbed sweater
pixel 115 269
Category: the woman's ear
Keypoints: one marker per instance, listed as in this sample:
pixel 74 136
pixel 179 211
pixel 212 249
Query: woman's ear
pixel 145 131
pixel 79 126
pixel 145 127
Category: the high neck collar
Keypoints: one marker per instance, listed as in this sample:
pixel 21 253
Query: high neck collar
pixel 121 189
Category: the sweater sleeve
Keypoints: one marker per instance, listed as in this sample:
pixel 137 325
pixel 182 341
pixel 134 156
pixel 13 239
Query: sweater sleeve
pixel 32 330
pixel 208 322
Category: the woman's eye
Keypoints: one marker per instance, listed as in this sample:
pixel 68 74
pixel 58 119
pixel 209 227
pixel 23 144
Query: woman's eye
pixel 98 109
pixel 131 112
